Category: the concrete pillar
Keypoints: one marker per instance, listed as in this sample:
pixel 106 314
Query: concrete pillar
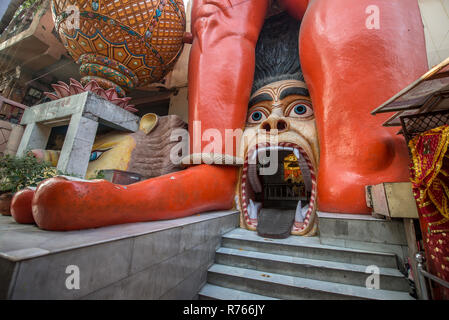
pixel 14 139
pixel 35 136
pixel 77 147
pixel 84 111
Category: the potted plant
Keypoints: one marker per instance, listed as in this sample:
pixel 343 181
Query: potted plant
pixel 18 173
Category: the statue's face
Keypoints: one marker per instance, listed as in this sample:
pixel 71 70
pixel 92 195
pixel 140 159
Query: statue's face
pixel 281 116
pixel 110 151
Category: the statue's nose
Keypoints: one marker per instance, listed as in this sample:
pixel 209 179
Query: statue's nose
pixel 271 124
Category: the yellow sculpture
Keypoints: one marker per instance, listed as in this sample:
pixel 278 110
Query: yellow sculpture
pixel 292 171
pixel 143 152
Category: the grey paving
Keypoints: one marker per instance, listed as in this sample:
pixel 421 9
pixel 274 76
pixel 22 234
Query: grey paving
pixel 173 259
pixel 306 247
pixel 346 273
pixel 151 260
pixel 211 292
pixel 20 241
pixel 290 287
pixel 299 268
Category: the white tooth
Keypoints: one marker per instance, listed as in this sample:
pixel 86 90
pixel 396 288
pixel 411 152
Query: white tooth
pixel 250 209
pixel 304 210
pixel 296 153
pixel 253 208
pixel 301 212
pixel 298 215
pixel 262 153
pixel 252 159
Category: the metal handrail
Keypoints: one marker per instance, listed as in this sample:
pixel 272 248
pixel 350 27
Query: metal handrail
pixel 422 273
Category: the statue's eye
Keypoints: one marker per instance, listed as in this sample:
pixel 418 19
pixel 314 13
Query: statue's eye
pixel 256 116
pixel 300 110
pixel 96 154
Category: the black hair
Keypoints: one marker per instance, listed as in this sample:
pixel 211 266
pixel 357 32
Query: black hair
pixel 277 51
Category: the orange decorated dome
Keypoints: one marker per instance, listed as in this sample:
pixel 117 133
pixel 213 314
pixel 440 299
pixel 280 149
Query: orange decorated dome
pixel 121 43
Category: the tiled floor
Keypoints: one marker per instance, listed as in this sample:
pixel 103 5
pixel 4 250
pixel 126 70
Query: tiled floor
pixel 150 260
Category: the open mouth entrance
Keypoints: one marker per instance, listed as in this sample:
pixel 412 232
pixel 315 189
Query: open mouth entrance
pixel 278 189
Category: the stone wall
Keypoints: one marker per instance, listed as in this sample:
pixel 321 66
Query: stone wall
pixel 435 16
pixel 151 260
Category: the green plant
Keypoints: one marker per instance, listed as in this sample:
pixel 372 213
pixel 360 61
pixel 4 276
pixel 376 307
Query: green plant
pixel 28 4
pixel 17 173
pixel 99 174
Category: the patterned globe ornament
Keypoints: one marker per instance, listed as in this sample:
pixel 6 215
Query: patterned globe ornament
pixel 121 44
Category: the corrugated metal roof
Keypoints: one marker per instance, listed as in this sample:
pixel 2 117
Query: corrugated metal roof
pixel 429 93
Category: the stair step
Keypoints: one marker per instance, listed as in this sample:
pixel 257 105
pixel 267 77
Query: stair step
pixel 212 292
pixel 290 287
pixel 306 247
pixel 345 273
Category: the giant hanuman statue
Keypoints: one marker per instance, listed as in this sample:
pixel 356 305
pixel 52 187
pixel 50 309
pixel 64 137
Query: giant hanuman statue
pixel 354 55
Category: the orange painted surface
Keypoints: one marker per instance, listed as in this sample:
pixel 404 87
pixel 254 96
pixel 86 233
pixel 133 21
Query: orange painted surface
pixel 296 8
pixel 222 62
pixel 21 206
pixel 60 204
pixel 350 70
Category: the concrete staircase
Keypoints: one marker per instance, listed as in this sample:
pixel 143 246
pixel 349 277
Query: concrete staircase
pixel 248 267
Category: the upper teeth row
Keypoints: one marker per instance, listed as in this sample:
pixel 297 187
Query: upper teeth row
pixel 252 157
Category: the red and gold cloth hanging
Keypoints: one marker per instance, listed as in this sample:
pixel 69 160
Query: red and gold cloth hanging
pixel 429 174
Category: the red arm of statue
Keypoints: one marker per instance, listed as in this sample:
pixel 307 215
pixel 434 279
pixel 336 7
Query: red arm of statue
pixel 296 8
pixel 61 204
pixel 222 62
pixel 350 70
pixel 221 67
